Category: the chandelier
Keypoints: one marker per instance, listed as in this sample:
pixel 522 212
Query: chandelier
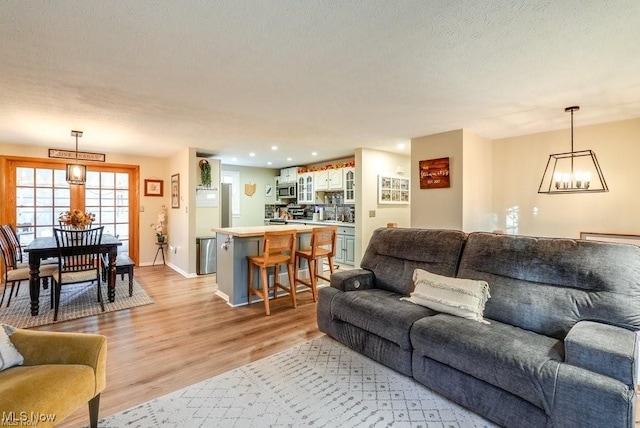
pixel 572 172
pixel 76 173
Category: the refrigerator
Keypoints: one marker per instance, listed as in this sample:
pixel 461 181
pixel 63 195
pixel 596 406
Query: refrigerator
pixel 225 205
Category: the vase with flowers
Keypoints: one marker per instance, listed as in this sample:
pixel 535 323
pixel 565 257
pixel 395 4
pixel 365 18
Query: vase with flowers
pixel 76 218
pixel 160 226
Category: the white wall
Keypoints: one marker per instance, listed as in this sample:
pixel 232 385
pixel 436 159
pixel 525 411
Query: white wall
pixel 518 164
pixel 477 183
pixel 252 207
pixel 438 208
pixel 370 164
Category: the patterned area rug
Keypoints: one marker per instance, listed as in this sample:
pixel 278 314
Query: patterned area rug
pixel 319 384
pixel 76 301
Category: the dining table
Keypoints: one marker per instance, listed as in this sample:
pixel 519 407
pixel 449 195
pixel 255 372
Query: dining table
pixel 46 247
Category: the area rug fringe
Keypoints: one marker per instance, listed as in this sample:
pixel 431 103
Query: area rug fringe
pixel 76 301
pixel 319 384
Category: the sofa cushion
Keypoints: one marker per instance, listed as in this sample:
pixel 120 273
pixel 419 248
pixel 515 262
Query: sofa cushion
pixel 9 355
pixel 394 253
pixel 461 297
pixel 380 312
pixel 519 361
pixel 547 285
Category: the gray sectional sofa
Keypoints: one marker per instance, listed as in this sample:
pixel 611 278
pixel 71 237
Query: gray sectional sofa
pixel 559 348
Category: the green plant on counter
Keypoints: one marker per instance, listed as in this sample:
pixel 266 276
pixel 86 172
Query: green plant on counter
pixel 205 173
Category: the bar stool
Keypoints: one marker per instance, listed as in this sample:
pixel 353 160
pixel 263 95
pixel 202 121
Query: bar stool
pixel 323 244
pixel 279 249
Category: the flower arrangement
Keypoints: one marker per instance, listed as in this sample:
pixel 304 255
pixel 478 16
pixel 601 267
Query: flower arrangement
pixel 77 218
pixel 160 226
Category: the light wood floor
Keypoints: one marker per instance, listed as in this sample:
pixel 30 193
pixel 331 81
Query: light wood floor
pixel 186 336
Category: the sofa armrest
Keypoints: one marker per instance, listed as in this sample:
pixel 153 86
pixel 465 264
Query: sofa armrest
pixel 352 280
pixel 45 347
pixel 604 349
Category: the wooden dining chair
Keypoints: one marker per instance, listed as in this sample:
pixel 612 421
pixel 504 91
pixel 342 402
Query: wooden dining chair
pixel 14 241
pixel 278 249
pixel 78 260
pixel 323 244
pixel 14 272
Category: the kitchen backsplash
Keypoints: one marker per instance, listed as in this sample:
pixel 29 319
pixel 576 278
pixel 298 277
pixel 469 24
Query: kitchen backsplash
pixel 331 211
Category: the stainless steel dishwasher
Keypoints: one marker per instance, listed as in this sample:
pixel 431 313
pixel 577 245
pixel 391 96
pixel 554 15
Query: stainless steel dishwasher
pixel 206 255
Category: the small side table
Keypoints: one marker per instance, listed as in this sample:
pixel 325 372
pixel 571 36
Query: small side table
pixel 161 246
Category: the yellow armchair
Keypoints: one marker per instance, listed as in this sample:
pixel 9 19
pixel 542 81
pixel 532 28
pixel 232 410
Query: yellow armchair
pixel 61 373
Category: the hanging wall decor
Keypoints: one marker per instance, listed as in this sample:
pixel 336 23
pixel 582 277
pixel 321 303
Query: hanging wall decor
pixel 434 173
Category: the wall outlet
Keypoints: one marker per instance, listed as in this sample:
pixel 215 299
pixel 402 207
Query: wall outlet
pixel 372 213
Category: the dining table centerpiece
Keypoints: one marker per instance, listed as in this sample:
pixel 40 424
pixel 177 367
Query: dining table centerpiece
pixel 76 218
pixel 160 226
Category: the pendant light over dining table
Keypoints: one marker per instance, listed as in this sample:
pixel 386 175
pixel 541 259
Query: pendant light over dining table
pixel 76 173
pixel 572 172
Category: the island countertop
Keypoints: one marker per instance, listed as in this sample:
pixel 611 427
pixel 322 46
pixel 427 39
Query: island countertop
pixel 253 231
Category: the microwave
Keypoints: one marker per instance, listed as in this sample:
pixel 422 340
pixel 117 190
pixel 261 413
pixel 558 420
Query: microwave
pixel 287 191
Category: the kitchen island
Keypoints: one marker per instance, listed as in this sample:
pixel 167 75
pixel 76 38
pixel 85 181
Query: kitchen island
pixel 234 244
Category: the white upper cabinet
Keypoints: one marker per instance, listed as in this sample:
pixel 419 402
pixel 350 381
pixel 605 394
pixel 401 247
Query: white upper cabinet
pixel 289 175
pixel 329 180
pixel 306 190
pixel 349 180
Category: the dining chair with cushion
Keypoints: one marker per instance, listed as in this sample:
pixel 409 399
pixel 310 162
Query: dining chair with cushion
pixel 15 273
pixel 78 260
pixel 278 249
pixel 14 241
pixel 323 244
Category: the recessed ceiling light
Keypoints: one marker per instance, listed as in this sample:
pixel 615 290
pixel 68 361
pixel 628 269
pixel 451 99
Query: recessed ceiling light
pixel 314 153
pixel 289 159
pixel 234 159
pixel 252 154
pixel 400 146
pixel 269 163
pixel 274 147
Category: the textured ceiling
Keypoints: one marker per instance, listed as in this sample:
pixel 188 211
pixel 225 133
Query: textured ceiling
pixel 238 76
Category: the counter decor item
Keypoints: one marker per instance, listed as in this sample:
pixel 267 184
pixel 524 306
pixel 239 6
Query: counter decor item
pixel 160 226
pixel 76 218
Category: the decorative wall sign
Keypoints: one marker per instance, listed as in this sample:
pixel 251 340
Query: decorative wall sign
pixel 249 189
pixel 434 173
pixel 70 154
pixel 175 191
pixel 393 190
pixel 153 187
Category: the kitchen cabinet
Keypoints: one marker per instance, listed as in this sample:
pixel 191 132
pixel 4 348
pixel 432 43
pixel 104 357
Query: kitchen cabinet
pixel 349 180
pixel 345 251
pixel 329 180
pixel 306 191
pixel 289 175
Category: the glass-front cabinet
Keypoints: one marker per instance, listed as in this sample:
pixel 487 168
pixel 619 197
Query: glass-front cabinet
pixel 306 190
pixel 349 185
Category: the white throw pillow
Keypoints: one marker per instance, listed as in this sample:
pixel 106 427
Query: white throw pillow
pixel 456 296
pixel 9 355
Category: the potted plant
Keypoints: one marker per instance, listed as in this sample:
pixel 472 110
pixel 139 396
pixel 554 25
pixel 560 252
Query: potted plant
pixel 160 226
pixel 205 173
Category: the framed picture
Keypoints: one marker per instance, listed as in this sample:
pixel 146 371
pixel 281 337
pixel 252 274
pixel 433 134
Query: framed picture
pixel 153 187
pixel 393 190
pixel 434 173
pixel 175 191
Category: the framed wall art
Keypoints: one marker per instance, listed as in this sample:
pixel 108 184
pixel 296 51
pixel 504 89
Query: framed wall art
pixel 434 173
pixel 175 191
pixel 153 187
pixel 393 190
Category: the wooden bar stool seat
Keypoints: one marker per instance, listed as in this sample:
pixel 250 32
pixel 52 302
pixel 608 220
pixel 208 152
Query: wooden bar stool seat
pixel 323 244
pixel 278 249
